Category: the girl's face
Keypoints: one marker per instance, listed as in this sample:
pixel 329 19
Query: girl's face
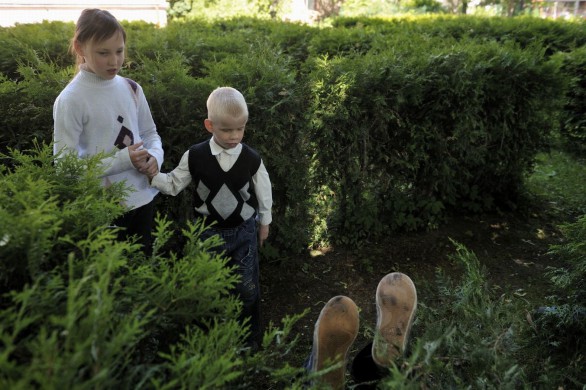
pixel 227 132
pixel 103 58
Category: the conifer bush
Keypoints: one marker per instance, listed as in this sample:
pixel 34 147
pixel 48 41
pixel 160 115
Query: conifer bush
pixel 81 309
pixel 41 203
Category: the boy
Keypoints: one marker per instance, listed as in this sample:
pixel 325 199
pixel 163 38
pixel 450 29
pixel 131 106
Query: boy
pixel 232 189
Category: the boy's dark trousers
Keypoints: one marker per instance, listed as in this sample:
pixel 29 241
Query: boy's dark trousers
pixel 241 247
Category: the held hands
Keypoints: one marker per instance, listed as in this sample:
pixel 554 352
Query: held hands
pixel 142 160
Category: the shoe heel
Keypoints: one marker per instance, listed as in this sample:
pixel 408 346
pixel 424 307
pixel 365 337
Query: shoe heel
pixel 396 303
pixel 335 331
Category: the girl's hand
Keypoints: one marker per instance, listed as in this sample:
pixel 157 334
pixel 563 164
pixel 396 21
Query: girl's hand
pixel 151 167
pixel 138 156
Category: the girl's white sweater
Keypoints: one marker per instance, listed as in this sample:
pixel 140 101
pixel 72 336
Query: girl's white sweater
pixel 92 115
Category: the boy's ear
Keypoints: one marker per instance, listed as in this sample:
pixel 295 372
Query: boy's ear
pixel 209 125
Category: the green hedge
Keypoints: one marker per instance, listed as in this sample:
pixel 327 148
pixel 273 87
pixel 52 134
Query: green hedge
pixel 573 122
pixel 367 127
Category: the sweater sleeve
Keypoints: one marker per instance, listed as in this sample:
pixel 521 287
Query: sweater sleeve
pixel 148 129
pixel 67 125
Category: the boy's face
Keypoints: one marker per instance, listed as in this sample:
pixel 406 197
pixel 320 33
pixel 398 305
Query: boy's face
pixel 227 132
pixel 103 58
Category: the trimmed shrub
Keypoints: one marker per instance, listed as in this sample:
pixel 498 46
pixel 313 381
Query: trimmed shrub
pixel 371 126
pixel 573 123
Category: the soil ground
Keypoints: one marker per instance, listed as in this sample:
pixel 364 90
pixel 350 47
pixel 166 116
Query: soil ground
pixel 512 247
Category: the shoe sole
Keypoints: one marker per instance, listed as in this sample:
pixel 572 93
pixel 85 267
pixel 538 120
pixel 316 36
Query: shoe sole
pixel 335 331
pixel 396 303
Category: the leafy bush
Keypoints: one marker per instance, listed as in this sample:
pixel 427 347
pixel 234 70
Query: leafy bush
pixel 28 103
pixel 40 203
pixel 48 41
pixel 414 134
pixel 81 309
pixel 559 327
pixel 573 124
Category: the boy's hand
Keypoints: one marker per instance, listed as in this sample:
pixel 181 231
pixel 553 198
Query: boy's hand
pixel 263 234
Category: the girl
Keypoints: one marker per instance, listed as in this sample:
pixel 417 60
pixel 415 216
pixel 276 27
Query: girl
pixel 100 111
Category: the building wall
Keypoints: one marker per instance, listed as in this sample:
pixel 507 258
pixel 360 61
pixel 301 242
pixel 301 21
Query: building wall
pixel 23 11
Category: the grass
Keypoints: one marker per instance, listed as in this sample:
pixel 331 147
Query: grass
pixel 488 339
pixel 560 179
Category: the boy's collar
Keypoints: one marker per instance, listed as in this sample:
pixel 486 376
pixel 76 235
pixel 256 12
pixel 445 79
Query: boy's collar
pixel 217 149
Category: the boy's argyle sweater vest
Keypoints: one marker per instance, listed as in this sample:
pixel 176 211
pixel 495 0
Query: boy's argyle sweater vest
pixel 229 197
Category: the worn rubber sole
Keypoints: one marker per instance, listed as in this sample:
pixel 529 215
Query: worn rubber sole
pixel 335 331
pixel 396 303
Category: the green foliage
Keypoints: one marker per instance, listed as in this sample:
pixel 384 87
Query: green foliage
pixel 83 310
pixel 573 129
pixel 66 329
pixel 220 9
pixel 386 124
pixel 417 130
pixel 558 178
pixel 559 326
pixel 41 202
pixel 352 8
pixel 28 112
pixel 425 5
pixel 468 335
pixel 48 41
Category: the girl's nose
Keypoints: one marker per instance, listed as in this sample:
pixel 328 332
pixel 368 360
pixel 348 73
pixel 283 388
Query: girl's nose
pixel 113 60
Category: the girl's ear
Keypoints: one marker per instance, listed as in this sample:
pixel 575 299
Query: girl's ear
pixel 78 47
pixel 209 125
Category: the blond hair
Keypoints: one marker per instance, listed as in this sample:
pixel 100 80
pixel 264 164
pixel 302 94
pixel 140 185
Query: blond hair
pixel 226 102
pixel 94 25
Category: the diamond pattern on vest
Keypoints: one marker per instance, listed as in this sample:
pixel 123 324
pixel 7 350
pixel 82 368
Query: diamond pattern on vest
pixel 225 202
pixel 203 191
pixel 247 211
